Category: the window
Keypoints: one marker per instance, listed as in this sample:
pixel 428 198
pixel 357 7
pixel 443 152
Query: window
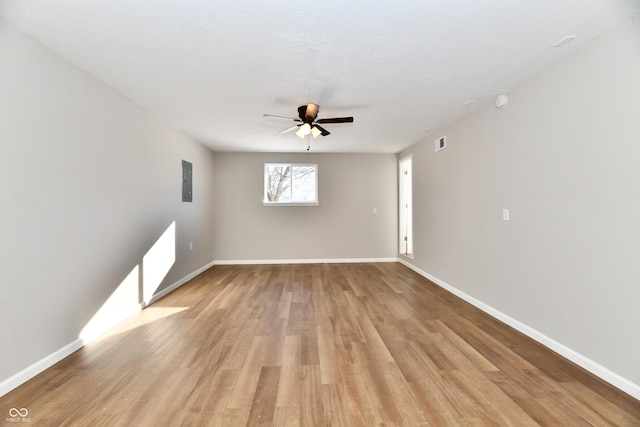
pixel 290 184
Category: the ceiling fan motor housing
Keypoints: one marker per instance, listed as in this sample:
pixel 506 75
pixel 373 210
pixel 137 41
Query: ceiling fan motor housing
pixel 308 113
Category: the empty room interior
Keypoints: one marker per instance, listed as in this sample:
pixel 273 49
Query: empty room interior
pixel 285 213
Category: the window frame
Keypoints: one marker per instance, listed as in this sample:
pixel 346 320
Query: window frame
pixel 266 202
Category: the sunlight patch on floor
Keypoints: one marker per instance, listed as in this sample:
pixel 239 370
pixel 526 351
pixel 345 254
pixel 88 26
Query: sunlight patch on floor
pixel 146 316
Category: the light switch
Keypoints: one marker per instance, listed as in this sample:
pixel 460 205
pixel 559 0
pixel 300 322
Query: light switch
pixel 505 214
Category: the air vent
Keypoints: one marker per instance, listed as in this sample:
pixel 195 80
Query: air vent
pixel 441 143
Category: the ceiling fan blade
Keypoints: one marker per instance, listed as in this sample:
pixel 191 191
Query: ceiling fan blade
pixel 337 120
pixel 322 130
pixel 289 129
pixel 280 117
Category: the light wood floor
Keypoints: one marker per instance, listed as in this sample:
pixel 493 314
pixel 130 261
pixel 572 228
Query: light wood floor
pixel 317 345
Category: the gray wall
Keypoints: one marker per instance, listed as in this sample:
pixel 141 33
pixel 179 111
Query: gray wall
pixel 89 183
pixel 563 157
pixel 342 226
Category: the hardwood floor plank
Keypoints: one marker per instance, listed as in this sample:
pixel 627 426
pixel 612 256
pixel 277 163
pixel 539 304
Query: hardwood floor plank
pixel 209 401
pixel 249 374
pixel 287 417
pixel 284 305
pixel 296 314
pixel 361 401
pixel 233 417
pixel 312 408
pixel 336 411
pixel 405 400
pixel 327 354
pixel 374 341
pixel 380 396
pixel 498 407
pixel 290 374
pixel 264 401
pixel 594 408
pixel 310 353
pixel 537 409
pixel 313 345
pixel 354 400
pixel 273 355
pixel 474 357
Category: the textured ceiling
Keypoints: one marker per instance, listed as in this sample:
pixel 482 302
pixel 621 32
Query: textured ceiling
pixel 400 68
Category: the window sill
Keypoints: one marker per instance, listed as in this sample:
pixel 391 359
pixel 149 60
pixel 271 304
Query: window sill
pixel 290 204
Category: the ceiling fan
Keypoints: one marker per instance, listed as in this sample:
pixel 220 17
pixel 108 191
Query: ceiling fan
pixel 308 123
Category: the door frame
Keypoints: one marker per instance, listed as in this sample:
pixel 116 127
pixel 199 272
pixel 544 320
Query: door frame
pixel 405 206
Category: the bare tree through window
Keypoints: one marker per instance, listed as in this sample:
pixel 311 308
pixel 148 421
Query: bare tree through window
pixel 278 181
pixel 289 183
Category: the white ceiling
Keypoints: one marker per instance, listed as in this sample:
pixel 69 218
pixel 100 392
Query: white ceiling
pixel 401 68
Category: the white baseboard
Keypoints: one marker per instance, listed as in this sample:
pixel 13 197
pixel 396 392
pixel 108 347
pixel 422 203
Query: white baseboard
pixel 179 283
pixel 304 261
pixel 598 370
pixel 31 371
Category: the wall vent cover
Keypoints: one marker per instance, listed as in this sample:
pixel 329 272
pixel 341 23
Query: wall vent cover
pixel 441 143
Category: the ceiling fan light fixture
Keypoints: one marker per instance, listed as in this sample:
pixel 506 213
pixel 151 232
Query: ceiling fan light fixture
pixel 304 130
pixel 315 132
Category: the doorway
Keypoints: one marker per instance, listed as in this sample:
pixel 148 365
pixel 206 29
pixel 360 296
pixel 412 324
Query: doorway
pixel 406 207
